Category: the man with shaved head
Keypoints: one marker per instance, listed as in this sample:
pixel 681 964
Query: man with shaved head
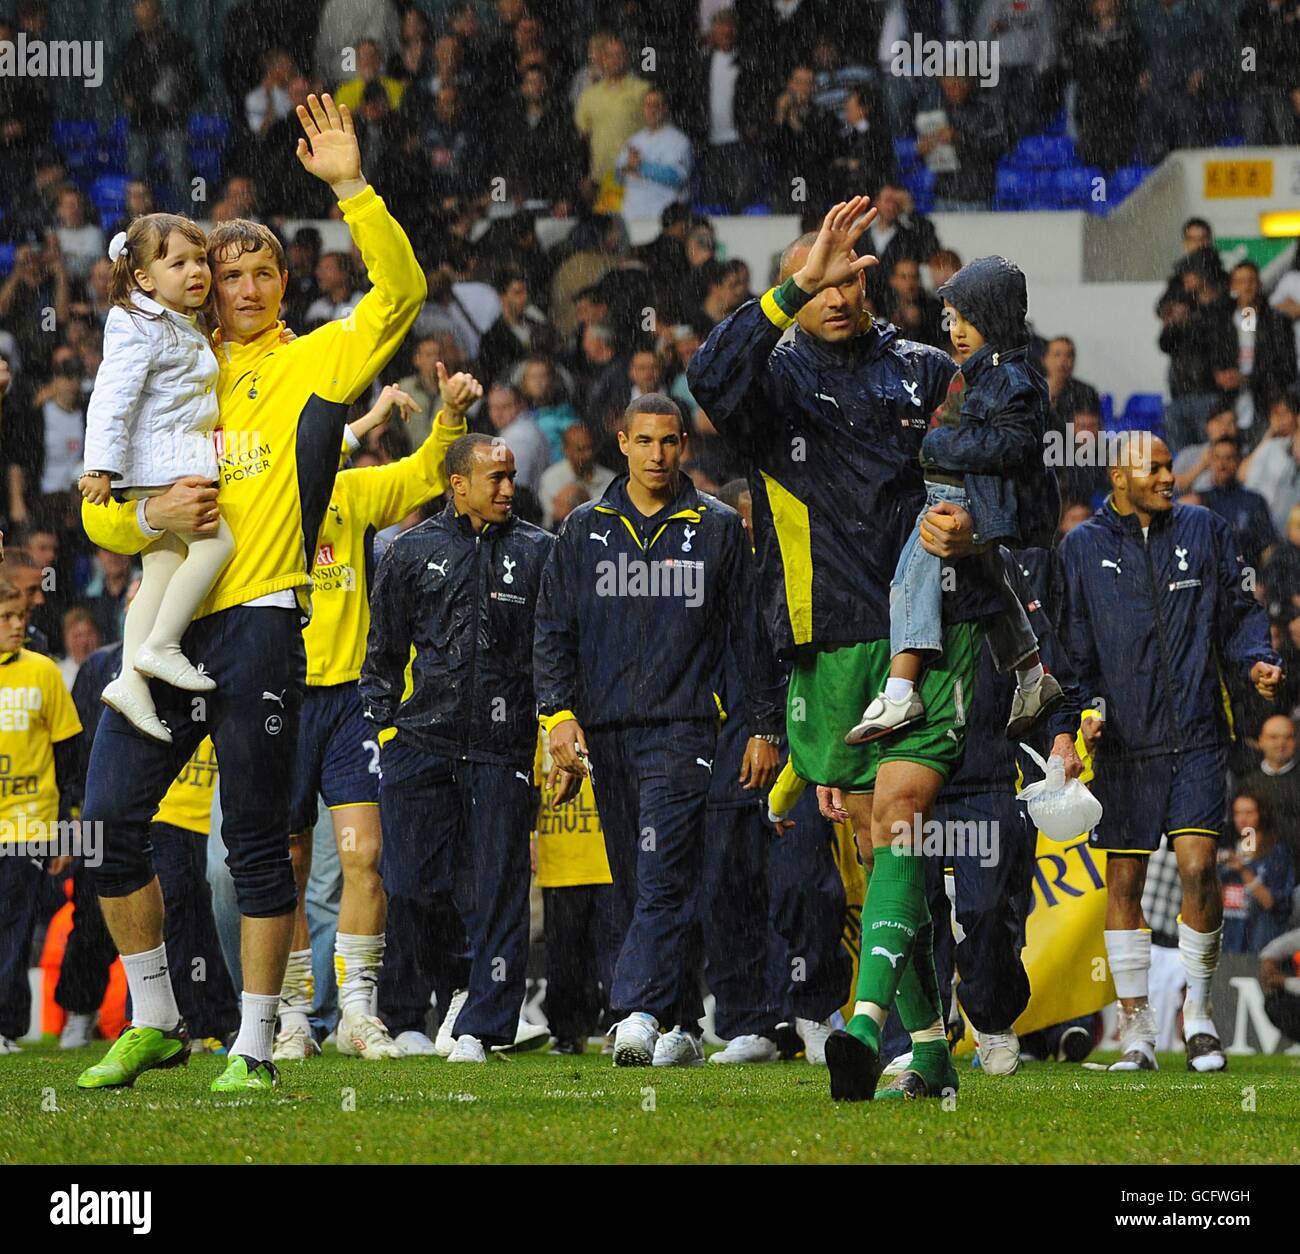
pixel 831 424
pixel 1156 609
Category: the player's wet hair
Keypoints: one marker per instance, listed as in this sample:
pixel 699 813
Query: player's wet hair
pixel 10 592
pixel 460 456
pixel 653 403
pixel 228 241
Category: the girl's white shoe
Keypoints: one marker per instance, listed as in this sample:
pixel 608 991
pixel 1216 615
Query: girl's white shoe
pixel 172 667
pixel 120 696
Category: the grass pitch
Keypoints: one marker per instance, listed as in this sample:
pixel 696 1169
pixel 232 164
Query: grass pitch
pixel 541 1109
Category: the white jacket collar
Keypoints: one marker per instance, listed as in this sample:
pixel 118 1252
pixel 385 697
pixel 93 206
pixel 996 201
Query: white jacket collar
pixel 149 305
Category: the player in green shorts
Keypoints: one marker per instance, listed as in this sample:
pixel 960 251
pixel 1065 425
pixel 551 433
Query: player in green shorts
pixel 831 423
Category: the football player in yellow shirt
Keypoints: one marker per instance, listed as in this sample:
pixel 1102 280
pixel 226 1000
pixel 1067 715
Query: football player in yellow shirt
pixel 282 409
pixel 338 755
pixel 38 731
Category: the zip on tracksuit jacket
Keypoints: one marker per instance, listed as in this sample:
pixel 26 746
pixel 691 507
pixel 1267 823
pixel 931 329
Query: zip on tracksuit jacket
pixel 635 612
pixel 280 424
pixel 990 761
pixel 831 434
pixel 456 607
pixel 1150 624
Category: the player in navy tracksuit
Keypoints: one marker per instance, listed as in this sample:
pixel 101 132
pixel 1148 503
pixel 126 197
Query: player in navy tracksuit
pixel 1156 612
pixel 733 901
pixel 456 792
pixel 637 600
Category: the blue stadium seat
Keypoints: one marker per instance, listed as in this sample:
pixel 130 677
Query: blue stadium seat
pixel 1126 180
pixel 905 152
pixel 1144 411
pixel 756 210
pixel 7 252
pixel 206 164
pixel 72 134
pixel 1073 187
pixel 209 129
pixel 1058 123
pixel 1107 410
pixel 920 182
pixel 108 194
pixel 1016 187
pixel 1049 152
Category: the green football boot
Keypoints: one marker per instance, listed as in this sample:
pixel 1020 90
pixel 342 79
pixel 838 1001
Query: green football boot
pixel 136 1051
pixel 243 1074
pixel 931 1074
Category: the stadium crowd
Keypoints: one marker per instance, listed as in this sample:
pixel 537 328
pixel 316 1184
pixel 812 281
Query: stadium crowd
pixel 462 113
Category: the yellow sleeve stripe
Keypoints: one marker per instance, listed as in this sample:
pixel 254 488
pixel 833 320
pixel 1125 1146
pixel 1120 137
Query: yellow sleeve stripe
pixel 550 721
pixel 775 314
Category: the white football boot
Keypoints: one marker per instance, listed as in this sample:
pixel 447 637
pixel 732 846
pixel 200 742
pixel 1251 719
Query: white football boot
pixel 414 1044
pixel 635 1040
pixel 294 1044
pixel 9 1047
pixel 999 1052
pixel 899 1064
pixel 78 1030
pixel 749 1048
pixel 678 1048
pixel 527 1036
pixel 467 1049
pixel 813 1035
pixel 364 1036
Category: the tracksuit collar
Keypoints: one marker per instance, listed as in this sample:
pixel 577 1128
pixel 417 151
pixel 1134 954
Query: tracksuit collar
pixel 616 496
pixel 462 525
pixel 865 346
pixel 986 357
pixel 1111 518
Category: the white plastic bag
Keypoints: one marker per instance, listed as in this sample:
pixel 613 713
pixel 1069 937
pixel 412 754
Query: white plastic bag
pixel 1060 811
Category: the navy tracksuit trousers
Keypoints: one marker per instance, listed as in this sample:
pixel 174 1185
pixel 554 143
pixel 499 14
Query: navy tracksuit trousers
pixel 455 868
pixel 652 785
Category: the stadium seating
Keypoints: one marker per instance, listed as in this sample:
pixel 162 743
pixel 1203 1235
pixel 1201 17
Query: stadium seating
pixel 7 252
pixel 108 195
pixel 1144 411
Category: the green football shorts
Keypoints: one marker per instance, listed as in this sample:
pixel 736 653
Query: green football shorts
pixel 830 687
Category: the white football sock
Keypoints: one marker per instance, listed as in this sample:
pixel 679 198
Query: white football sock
pixel 153 1004
pixel 1129 955
pixel 357 960
pixel 256 1026
pixel 298 991
pixel 1200 954
pixel 1028 678
pixel 877 1014
pixel 898 689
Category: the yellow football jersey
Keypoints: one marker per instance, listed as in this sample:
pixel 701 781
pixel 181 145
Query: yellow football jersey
pixel 36 713
pixel 188 802
pixel 365 500
pixel 570 842
pixel 283 407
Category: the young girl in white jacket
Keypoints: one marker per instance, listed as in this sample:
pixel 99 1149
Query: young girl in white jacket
pixel 149 424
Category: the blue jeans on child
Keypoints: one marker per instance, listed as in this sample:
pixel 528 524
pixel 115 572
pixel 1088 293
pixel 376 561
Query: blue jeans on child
pixel 916 595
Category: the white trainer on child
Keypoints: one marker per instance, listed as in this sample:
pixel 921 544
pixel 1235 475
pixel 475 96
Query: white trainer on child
pixel 120 696
pixel 884 717
pixel 172 667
